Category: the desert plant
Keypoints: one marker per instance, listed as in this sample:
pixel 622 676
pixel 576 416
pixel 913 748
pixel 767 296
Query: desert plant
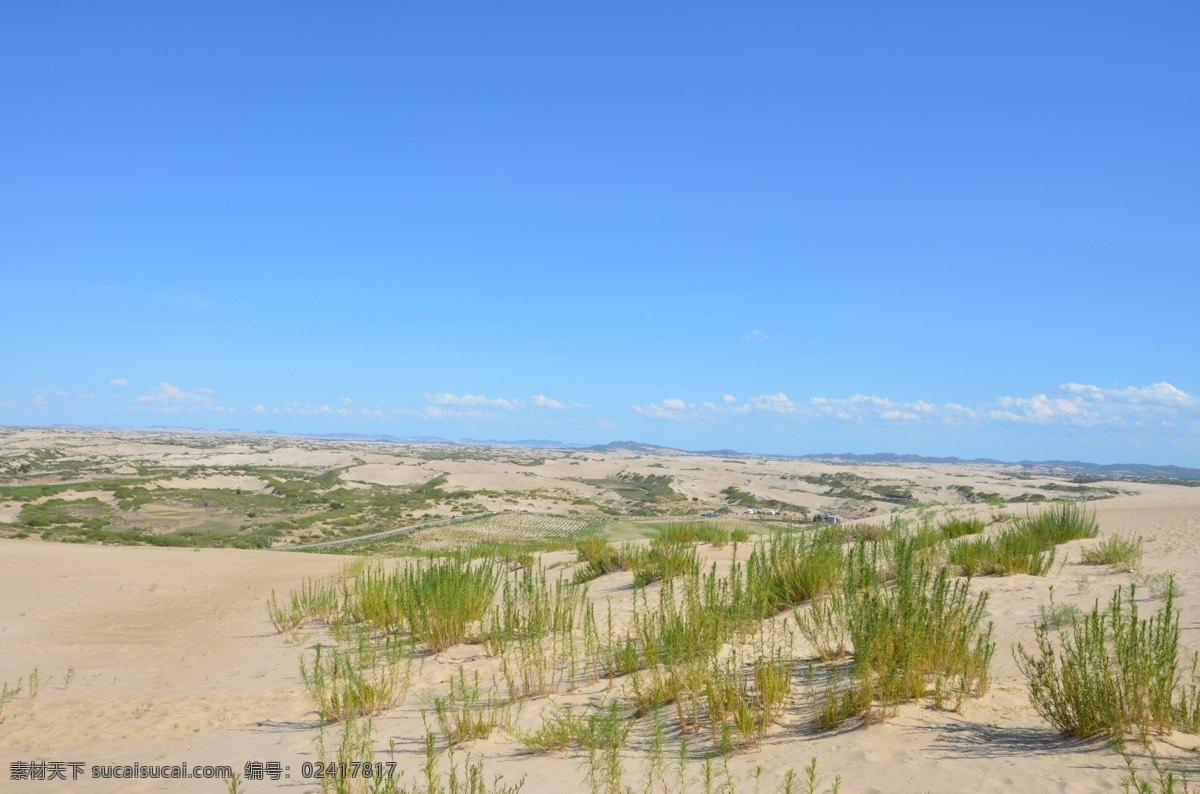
pixel 822 625
pixel 1058 616
pixel 773 682
pixel 602 727
pixel 739 713
pixel 687 532
pixel 341 690
pixel 662 562
pixel 1120 552
pixel 957 527
pixel 606 736
pixel 599 557
pixel 372 598
pixel 1161 585
pixel 840 703
pixel 927 627
pixel 531 607
pixel 536 665
pixel 1013 551
pixel 682 685
pixel 559 731
pixel 315 600
pixel 7 693
pixel 469 711
pixel 1165 781
pixel 812 780
pixel 1113 672
pixel 853 533
pixel 1062 522
pixel 441 600
pixel 790 569
pixel 1028 545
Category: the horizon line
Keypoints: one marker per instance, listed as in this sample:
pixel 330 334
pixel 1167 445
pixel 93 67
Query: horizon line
pixel 898 457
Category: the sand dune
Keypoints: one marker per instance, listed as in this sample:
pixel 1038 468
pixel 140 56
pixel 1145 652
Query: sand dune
pixel 164 656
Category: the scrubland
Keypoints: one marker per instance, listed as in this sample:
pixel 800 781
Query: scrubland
pixel 944 641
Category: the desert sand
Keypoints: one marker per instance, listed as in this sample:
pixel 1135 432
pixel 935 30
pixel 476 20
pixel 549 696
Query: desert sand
pixel 165 656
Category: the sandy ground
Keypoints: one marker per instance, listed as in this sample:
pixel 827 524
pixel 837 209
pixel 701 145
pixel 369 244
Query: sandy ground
pixel 388 474
pixel 165 656
pixel 213 482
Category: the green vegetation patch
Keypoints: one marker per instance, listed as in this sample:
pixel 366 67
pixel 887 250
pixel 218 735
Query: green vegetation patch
pixel 737 497
pixel 646 488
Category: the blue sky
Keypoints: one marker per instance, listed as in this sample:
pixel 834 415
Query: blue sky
pixel 937 228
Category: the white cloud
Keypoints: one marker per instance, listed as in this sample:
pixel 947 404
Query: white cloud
pixel 769 403
pixel 1080 405
pixel 345 407
pixel 472 400
pixel 306 409
pixel 440 412
pixel 169 399
pixel 1071 404
pixel 477 406
pixel 755 334
pixel 465 406
pixel 674 408
pixel 118 382
pixel 728 398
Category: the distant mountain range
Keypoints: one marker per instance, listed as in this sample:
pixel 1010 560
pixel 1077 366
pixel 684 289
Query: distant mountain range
pixel 1114 469
pixel 1134 470
pixel 1082 467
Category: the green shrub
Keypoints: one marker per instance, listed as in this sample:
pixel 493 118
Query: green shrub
pixel 442 599
pixel 1058 616
pixel 471 712
pixel 1061 523
pixel 1012 551
pixel 686 532
pixel 1028 545
pixel 1161 585
pixel 662 562
pixel 599 558
pixel 789 569
pixel 561 730
pixel 1164 781
pixel 957 527
pixel 1120 552
pixel 1113 673
pixel 925 628
pixel 341 689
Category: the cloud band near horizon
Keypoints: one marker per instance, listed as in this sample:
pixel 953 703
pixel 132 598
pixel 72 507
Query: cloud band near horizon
pixel 1158 405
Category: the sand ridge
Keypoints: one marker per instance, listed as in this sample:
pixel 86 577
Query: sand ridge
pixel 167 655
pixel 173 658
